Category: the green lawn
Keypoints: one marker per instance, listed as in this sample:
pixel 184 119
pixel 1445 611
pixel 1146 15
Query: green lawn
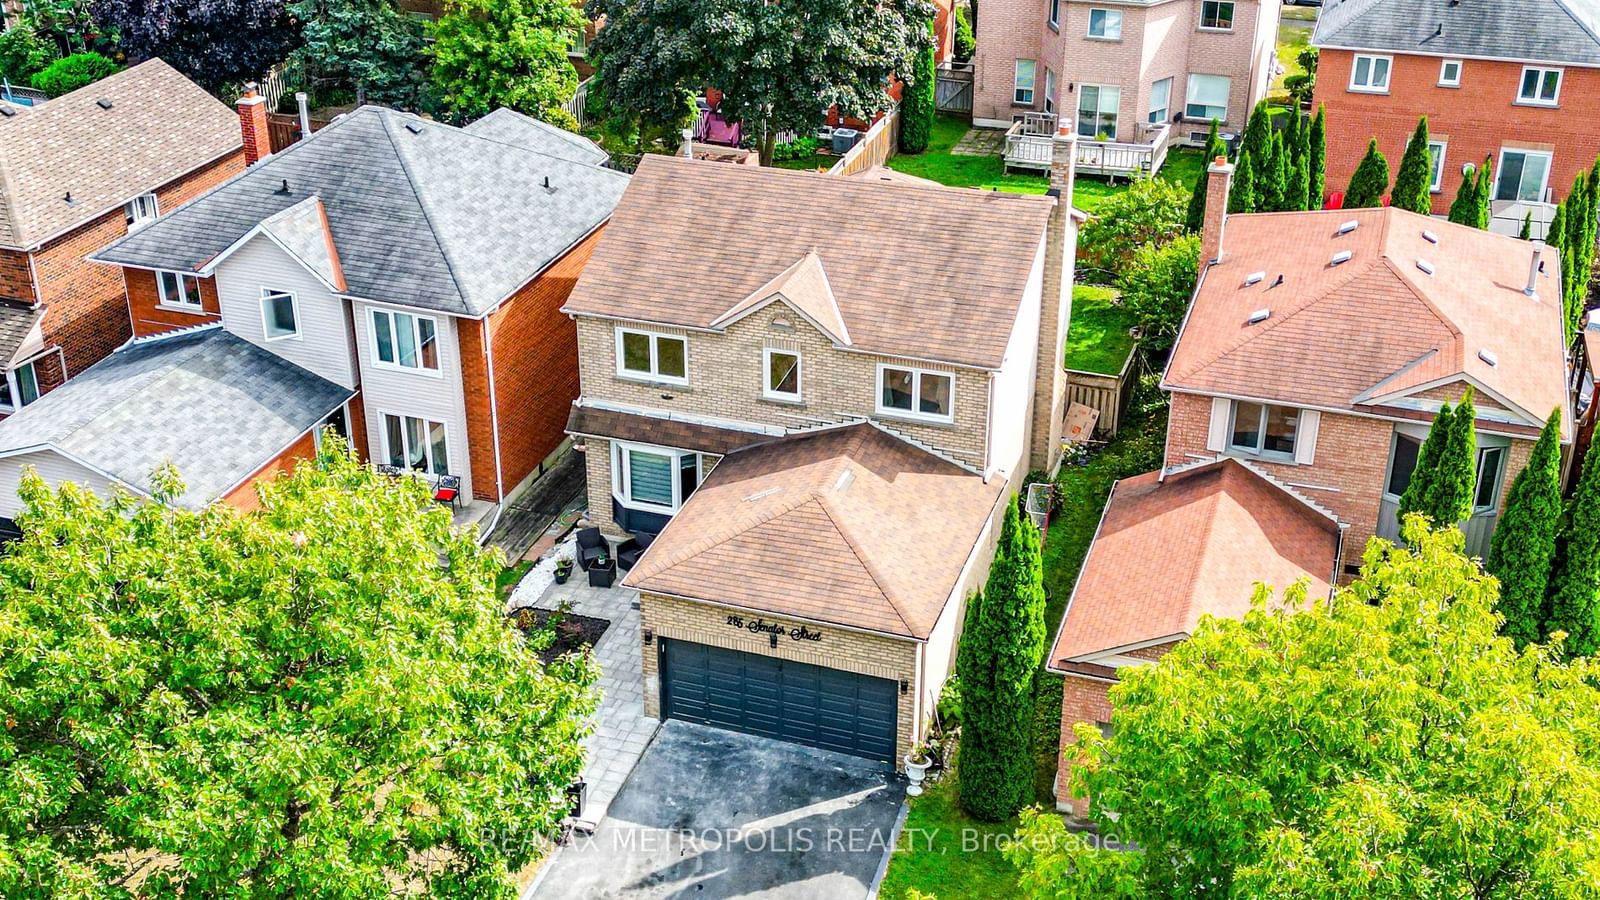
pixel 1098 338
pixel 941 851
pixel 1294 33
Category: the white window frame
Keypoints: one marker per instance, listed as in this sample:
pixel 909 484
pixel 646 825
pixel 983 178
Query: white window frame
pixel 1444 66
pixel 1053 17
pixel 14 377
pixel 1502 453
pixel 1189 93
pixel 1017 90
pixel 799 375
pixel 1372 64
pixel 653 376
pixel 183 281
pixel 1099 111
pixel 1049 91
pixel 1500 170
pixel 388 455
pixel 1536 100
pixel 1105 21
pixel 1437 183
pixel 1261 452
pixel 294 306
pixel 1166 104
pixel 141 210
pixel 916 394
pixel 621 475
pixel 1233 13
pixel 416 335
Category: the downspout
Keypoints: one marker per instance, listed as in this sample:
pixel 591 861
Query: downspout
pixel 494 427
pixel 917 688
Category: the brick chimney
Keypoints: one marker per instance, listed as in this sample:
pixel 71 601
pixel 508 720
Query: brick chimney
pixel 253 125
pixel 1060 255
pixel 1219 177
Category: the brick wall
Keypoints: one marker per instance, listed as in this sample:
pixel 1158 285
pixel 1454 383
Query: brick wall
pixel 725 377
pixel 850 651
pixel 1087 700
pixel 88 310
pixel 16 278
pixel 243 497
pixel 1477 119
pixel 148 316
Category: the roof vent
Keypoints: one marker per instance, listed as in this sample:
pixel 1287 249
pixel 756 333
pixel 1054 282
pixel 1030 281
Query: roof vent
pixel 103 103
pixel 1343 256
pixel 1276 281
pixel 1430 237
pixel 762 495
pixel 846 478
pixel 1488 357
pixel 1254 278
pixel 1347 227
pixel 68 199
pixel 283 189
pixel 1259 316
pixel 1425 266
pixel 7 111
pixel 547 188
pixel 413 128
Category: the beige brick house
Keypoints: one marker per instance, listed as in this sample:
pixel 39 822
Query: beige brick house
pixel 1317 350
pixel 816 396
pixel 1123 68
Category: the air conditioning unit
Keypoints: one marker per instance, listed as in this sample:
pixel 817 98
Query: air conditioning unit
pixel 844 139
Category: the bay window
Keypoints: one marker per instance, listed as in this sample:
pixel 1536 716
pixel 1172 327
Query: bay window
pixel 405 341
pixel 917 393
pixel 656 479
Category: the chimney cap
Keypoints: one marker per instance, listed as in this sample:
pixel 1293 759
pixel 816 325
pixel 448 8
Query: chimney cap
pixel 250 88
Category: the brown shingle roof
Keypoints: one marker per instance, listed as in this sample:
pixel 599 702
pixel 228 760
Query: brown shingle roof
pixel 160 126
pixel 931 272
pixel 848 525
pixel 663 432
pixel 1167 553
pixel 1375 327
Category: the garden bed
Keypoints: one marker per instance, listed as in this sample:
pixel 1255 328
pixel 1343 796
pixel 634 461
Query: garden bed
pixel 572 632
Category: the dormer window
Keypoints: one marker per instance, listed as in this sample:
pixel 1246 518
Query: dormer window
pixel 653 357
pixel 141 211
pixel 179 291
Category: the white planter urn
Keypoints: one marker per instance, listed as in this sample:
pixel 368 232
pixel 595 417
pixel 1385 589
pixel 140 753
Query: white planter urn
pixel 915 772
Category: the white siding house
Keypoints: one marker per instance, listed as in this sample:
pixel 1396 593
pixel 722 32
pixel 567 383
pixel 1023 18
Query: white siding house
pixel 254 278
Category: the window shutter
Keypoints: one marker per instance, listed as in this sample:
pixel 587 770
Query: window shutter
pixel 1217 437
pixel 1305 437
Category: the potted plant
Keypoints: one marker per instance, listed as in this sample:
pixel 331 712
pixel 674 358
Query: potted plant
pixel 917 762
pixel 563 569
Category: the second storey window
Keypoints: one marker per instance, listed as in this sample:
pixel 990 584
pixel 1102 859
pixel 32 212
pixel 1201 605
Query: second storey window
pixel 181 291
pixel 1450 73
pixel 141 211
pixel 405 341
pixel 26 388
pixel 1540 87
pixel 1105 24
pixel 657 357
pixel 1216 14
pixel 1208 97
pixel 416 443
pixel 1022 83
pixel 782 376
pixel 280 317
pixel 1055 14
pixel 918 393
pixel 1263 429
pixel 1370 74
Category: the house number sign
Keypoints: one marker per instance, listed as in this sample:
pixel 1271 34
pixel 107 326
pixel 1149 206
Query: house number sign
pixel 762 626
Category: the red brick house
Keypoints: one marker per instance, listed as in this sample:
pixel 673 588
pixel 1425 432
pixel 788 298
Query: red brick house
pixel 76 173
pixel 1518 83
pixel 1317 350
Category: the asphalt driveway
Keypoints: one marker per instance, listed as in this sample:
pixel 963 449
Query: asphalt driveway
pixel 709 813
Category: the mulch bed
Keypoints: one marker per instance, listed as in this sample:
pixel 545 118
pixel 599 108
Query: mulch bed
pixel 572 631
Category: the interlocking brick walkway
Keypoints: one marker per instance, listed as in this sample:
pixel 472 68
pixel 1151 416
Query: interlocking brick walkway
pixel 980 142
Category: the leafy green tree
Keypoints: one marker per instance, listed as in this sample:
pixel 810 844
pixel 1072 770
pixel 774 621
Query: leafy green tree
pixel 1575 581
pixel 778 65
pixel 512 53
pixel 1317 160
pixel 1197 199
pixel 369 46
pixel 1156 286
pixel 1370 181
pixel 1242 194
pixel 1414 180
pixel 1442 484
pixel 69 73
pixel 999 655
pixel 1386 744
pixel 1524 540
pixel 1302 86
pixel 917 105
pixel 1151 210
pixel 23 54
pixel 321 698
pixel 965 42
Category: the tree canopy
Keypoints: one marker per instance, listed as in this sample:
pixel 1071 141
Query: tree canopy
pixel 1386 743
pixel 512 53
pixel 777 65
pixel 369 46
pixel 319 698
pixel 1151 210
pixel 216 43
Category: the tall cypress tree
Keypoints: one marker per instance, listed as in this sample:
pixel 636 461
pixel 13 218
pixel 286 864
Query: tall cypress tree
pixel 1299 190
pixel 1524 541
pixel 1275 185
pixel 1464 209
pixel 918 104
pixel 1483 195
pixel 1317 147
pixel 1197 200
pixel 1424 472
pixel 1006 633
pixel 1415 176
pixel 1526 231
pixel 1370 181
pixel 1441 486
pixel 1257 131
pixel 1242 195
pixel 1575 583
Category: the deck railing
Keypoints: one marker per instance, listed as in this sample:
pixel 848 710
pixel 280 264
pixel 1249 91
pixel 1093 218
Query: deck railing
pixel 1030 146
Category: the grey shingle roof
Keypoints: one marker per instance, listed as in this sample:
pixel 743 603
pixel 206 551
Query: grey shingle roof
pixel 16 320
pixel 160 126
pixel 421 213
pixel 512 127
pixel 1561 31
pixel 212 404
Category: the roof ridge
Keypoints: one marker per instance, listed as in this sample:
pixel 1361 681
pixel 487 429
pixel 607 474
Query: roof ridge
pixel 773 171
pixel 826 503
pixel 411 180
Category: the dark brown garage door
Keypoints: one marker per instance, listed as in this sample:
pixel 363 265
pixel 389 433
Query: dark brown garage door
pixel 775 698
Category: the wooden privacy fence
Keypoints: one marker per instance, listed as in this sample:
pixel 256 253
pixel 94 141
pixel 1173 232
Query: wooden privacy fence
pixel 1107 393
pixel 874 148
pixel 953 88
pixel 284 129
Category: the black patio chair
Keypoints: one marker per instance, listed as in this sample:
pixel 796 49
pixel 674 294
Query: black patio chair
pixel 447 490
pixel 629 551
pixel 591 546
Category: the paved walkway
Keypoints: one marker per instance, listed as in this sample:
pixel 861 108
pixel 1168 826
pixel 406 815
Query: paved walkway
pixel 621 729
pixel 980 142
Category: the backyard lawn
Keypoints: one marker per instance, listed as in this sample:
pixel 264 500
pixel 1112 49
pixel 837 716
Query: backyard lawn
pixel 941 851
pixel 1294 33
pixel 1098 338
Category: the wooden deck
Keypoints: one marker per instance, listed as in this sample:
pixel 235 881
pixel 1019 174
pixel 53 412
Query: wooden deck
pixel 1030 143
